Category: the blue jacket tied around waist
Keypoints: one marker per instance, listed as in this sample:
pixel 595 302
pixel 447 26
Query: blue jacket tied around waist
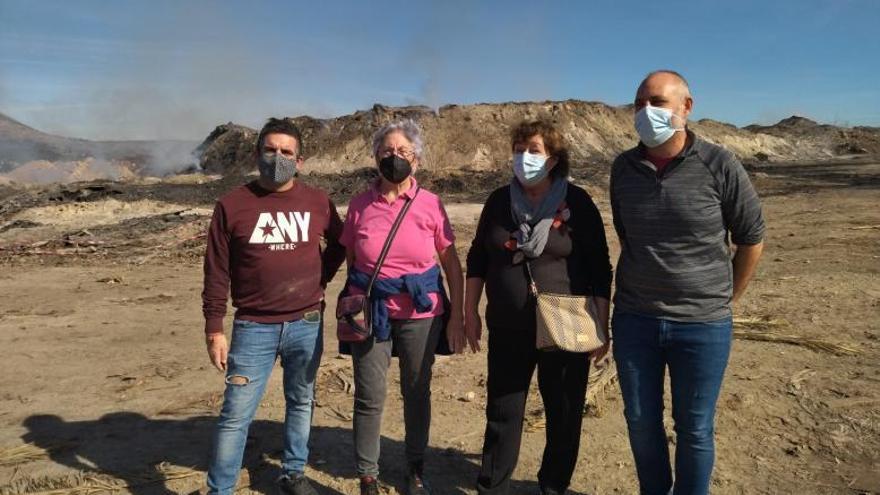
pixel 417 285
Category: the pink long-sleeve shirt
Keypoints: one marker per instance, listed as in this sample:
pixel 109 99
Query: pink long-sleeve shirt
pixel 424 232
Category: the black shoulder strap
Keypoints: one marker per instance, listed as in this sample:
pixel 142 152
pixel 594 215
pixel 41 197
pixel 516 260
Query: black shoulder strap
pixel 391 234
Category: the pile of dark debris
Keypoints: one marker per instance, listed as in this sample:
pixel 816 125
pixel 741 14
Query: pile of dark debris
pixel 179 235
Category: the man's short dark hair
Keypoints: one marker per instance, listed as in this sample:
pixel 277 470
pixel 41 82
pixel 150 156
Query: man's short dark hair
pixel 281 126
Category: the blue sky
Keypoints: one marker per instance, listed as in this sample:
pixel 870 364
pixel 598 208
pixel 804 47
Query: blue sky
pixel 175 69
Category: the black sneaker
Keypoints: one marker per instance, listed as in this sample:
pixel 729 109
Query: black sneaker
pixel 369 486
pixel 298 484
pixel 415 481
pixel 546 490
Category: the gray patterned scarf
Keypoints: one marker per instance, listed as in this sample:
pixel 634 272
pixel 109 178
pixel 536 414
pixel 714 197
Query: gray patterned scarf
pixel 534 222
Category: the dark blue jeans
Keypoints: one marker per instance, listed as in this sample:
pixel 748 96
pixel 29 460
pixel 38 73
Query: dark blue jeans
pixel 696 355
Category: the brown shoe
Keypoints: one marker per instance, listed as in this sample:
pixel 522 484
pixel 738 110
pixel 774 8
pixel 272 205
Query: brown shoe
pixel 369 486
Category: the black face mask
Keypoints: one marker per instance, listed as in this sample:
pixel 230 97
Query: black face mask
pixel 395 169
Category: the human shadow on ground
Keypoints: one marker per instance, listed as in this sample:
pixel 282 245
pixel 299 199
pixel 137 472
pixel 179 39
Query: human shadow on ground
pixel 130 446
pixel 448 470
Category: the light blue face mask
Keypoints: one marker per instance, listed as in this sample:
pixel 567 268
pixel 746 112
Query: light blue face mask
pixel 529 168
pixel 654 125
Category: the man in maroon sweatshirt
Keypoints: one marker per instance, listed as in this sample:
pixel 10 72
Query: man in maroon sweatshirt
pixel 265 240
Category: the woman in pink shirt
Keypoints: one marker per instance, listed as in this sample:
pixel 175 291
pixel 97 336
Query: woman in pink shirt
pixel 414 322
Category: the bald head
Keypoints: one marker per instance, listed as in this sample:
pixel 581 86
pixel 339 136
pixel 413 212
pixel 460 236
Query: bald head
pixel 667 89
pixel 669 76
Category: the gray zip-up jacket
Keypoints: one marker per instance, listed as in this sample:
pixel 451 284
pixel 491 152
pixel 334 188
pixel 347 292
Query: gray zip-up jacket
pixel 675 229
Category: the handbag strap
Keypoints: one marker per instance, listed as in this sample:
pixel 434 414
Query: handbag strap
pixel 387 246
pixel 533 288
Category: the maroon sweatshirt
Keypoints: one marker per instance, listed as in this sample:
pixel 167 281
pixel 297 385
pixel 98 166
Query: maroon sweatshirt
pixel 268 245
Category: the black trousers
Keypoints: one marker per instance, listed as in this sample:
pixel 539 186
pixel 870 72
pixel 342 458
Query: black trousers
pixel 562 381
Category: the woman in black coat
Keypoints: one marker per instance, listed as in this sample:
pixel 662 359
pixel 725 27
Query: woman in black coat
pixel 543 218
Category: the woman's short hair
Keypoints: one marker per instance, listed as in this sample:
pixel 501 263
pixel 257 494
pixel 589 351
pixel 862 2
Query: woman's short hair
pixel 408 128
pixel 554 143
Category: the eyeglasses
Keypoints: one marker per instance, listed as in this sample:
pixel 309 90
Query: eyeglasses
pixel 407 153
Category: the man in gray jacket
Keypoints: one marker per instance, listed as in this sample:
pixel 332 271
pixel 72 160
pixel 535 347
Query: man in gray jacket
pixel 679 202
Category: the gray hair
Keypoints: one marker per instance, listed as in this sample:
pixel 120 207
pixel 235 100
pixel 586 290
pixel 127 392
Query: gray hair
pixel 408 128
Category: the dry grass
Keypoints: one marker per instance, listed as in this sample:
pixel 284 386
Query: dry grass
pixel 600 379
pixel 206 405
pixel 93 483
pixel 761 329
pixel 22 453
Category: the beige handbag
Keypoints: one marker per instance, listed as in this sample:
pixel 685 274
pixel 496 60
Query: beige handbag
pixel 566 322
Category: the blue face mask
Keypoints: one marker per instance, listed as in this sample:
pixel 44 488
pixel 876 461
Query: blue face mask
pixel 528 168
pixel 654 125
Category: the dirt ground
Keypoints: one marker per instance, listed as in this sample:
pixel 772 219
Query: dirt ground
pixel 106 384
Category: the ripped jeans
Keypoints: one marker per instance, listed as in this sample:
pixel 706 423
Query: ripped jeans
pixel 252 354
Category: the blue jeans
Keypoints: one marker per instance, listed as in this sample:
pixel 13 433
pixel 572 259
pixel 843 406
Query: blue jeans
pixel 696 355
pixel 252 355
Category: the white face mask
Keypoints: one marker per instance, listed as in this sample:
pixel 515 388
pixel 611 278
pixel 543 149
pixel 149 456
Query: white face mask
pixel 529 168
pixel 654 125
